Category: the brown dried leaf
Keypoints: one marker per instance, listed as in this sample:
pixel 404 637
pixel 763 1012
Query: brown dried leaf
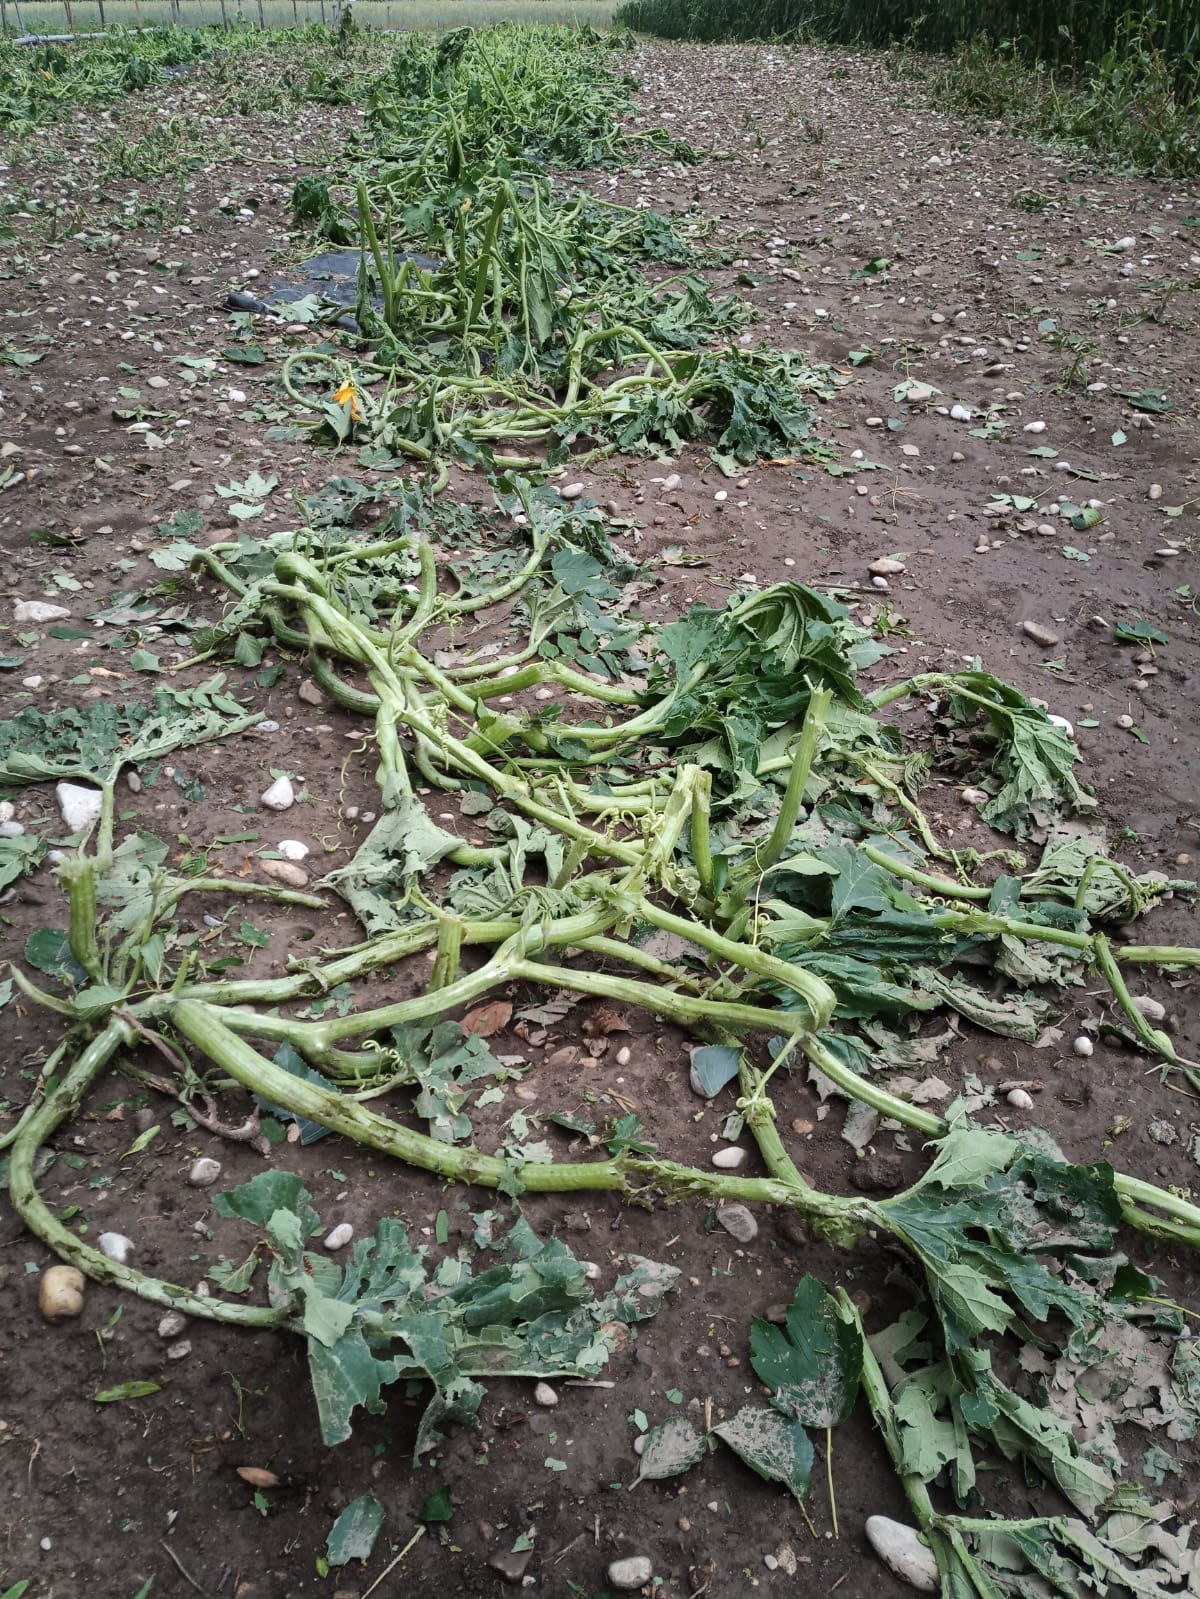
pixel 488 1019
pixel 602 1022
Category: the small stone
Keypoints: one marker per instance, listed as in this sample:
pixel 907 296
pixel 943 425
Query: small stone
pixel 37 611
pixel 171 1325
pixel 1039 634
pixel 1150 1008
pixel 32 682
pixel 292 849
pixel 1019 1099
pixel 1034 427
pixel 936 316
pixel 543 1394
pixel 339 1236
pixel 80 807
pixel 570 491
pixel 874 421
pixel 284 872
pixel 959 413
pixel 631 1573
pixel 731 1159
pixel 1062 724
pixel 1156 491
pixel 885 567
pixel 909 449
pixel 11 830
pixel 310 693
pixel 880 583
pixel 771 1562
pixel 203 1172
pixel 903 1553
pixel 116 1246
pixel 786 1556
pixel 281 796
pixel 511 1566
pixel 958 456
pixel 1083 1045
pixel 738 1223
pixel 1125 721
pixel 624 1055
pixel 974 796
pixel 179 1351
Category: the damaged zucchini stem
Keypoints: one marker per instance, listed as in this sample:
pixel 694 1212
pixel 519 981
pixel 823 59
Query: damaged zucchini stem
pixel 436 718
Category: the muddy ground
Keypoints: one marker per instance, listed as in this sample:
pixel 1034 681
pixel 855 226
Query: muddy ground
pixel 861 220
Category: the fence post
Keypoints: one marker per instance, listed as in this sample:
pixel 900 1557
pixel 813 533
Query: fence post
pixel 4 16
pixel 261 22
pixel 70 19
pixel 322 13
pixel 224 18
pixel 100 3
pixel 295 17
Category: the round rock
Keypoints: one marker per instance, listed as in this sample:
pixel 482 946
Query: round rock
pixel 632 1573
pixel 281 796
pixel 203 1173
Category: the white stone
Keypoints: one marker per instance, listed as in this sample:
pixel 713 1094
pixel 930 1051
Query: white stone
pixel 1150 1008
pixel 171 1325
pixel 1061 722
pixel 116 1246
pixel 11 829
pixel 959 413
pixel 1124 245
pixel 7 810
pixel 671 483
pixel 281 796
pixel 880 583
pixel 543 1394
pixel 179 1351
pixel 885 567
pixel 903 1553
pixel 1019 1099
pixel 38 611
pixel 631 1573
pixel 292 849
pixel 570 491
pixel 730 1159
pixel 973 796
pixel 339 1236
pixel 1035 427
pixel 203 1172
pixel 80 807
pixel 1083 1045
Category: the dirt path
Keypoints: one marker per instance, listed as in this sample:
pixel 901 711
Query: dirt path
pixel 863 221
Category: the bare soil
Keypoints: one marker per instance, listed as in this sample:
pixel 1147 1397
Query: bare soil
pixel 843 162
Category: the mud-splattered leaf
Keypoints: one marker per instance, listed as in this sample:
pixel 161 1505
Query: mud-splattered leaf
pixel 671 1447
pixel 814 1366
pixel 438 1507
pixel 353 1534
pixel 777 1449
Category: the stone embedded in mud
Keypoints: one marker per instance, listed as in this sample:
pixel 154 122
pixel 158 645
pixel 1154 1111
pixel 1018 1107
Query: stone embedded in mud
pixel 543 1394
pixel 1039 634
pixel 738 1223
pixel 729 1159
pixel 171 1325
pixel 633 1572
pixel 511 1564
pixel 570 491
pixel 203 1172
pixel 340 1236
pixel 284 872
pixel 903 1553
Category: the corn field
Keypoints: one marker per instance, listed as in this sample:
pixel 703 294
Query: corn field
pixel 88 16
pixel 1072 32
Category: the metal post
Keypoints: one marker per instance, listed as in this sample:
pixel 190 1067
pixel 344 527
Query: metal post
pixel 295 17
pixel 70 19
pixel 322 13
pixel 224 18
pixel 4 15
pixel 261 23
pixel 100 3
